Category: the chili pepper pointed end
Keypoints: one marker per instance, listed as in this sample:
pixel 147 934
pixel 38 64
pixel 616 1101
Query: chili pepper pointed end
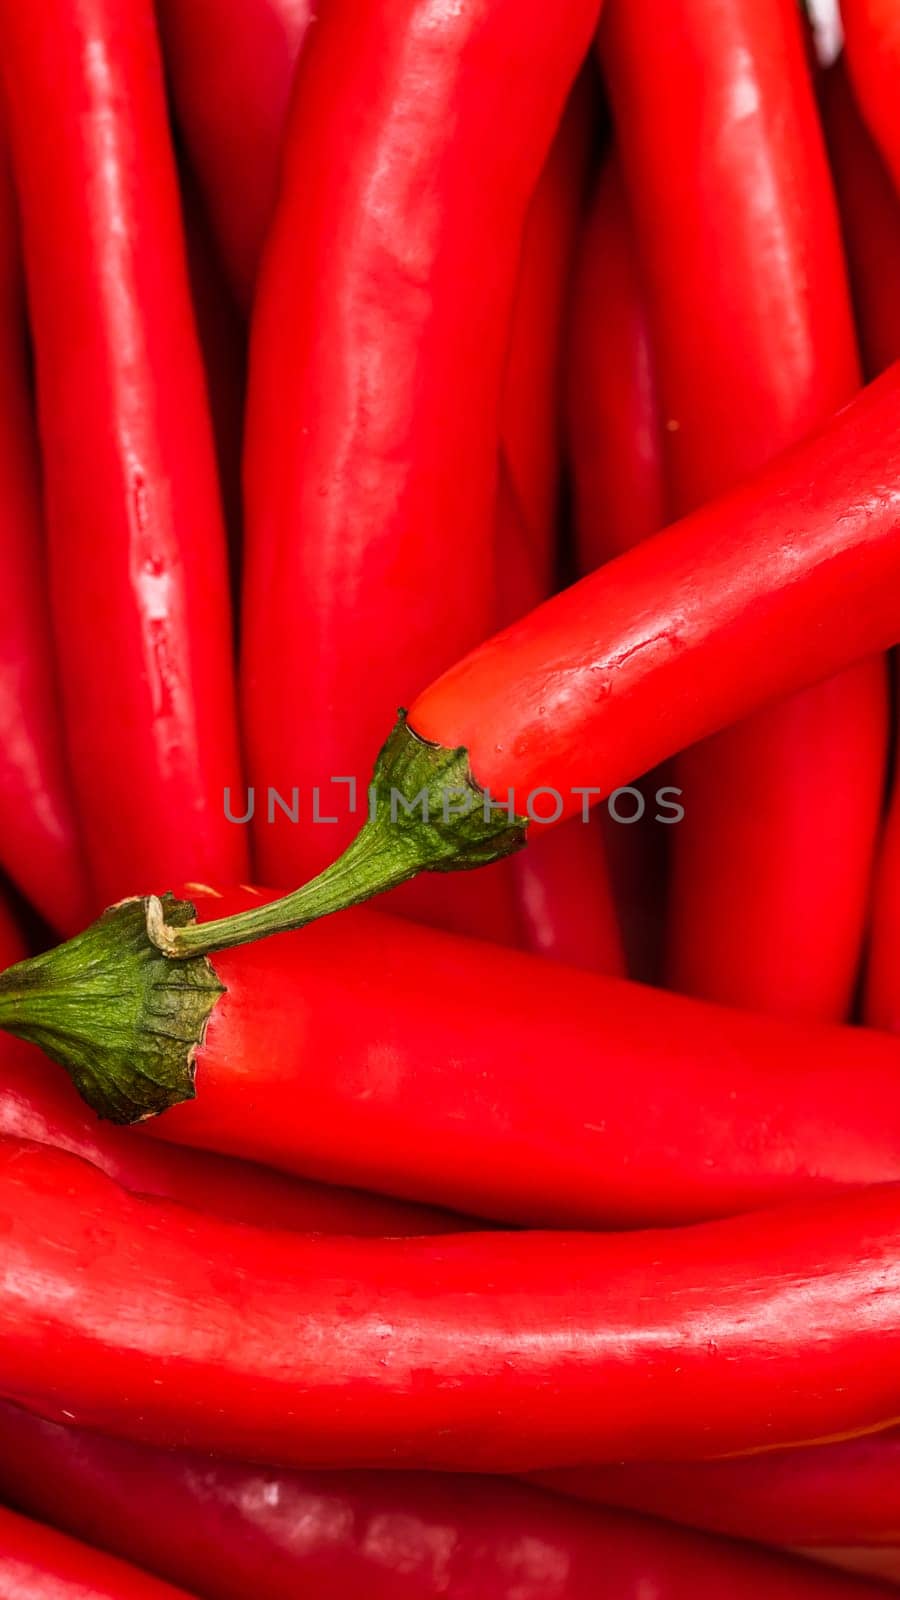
pixel 124 1022
pixel 426 814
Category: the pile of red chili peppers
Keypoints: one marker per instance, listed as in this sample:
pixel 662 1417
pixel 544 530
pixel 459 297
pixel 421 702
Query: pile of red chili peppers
pixel 449 451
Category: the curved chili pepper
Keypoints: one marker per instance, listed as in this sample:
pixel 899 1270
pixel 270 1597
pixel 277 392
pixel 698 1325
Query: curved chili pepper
pixel 370 1052
pixel 844 1495
pixel 230 1530
pixel 654 651
pixel 674 639
pixel 612 415
pixel 231 68
pixel 36 1104
pixel 40 844
pixel 38 1562
pixel 872 41
pixel 476 1352
pixel 870 212
pixel 754 344
pixel 136 546
pixel 383 298
pixel 658 1109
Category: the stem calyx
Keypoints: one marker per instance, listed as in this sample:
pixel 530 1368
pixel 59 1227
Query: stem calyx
pixel 125 1023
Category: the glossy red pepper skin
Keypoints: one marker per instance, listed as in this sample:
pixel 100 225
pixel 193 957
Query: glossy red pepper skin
pixel 870 213
pixel 612 414
pixel 229 1530
pixel 872 41
pixel 830 1496
pixel 674 639
pixel 365 1051
pixel 38 1563
pixel 489 1352
pixel 40 844
pixel 231 66
pixel 136 546
pixel 354 421
pixel 37 1103
pixel 754 344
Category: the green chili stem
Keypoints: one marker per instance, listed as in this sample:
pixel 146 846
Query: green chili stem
pixel 429 815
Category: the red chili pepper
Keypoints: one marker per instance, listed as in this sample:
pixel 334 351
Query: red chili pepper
pixel 136 547
pixel 231 67
pixel 40 845
pixel 612 415
pixel 370 1052
pixel 384 298
pixel 754 344
pixel 784 581
pixel 477 1352
pixel 658 1109
pixel 843 1496
pixel 230 1530
pixel 37 1104
pixel 870 213
pixel 37 1563
pixel 872 37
